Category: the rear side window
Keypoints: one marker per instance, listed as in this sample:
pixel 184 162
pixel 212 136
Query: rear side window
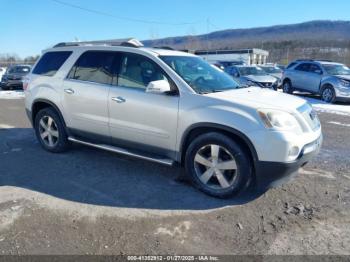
pixel 51 62
pixel 303 67
pixel 94 66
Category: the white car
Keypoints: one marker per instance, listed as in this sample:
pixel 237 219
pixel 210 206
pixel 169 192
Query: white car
pixel 169 107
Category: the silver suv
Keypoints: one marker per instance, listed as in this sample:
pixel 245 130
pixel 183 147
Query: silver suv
pixel 169 107
pixel 328 79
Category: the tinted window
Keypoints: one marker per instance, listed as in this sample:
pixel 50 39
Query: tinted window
pixel 291 65
pixel 94 66
pixel 314 69
pixel 50 63
pixel 303 67
pixel 137 71
pixel 19 70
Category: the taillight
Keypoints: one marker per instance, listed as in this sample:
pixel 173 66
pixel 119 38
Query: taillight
pixel 25 83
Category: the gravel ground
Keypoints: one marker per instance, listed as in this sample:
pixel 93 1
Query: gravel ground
pixel 94 202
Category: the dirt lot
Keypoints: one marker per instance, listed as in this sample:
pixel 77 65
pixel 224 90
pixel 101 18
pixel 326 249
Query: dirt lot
pixel 94 202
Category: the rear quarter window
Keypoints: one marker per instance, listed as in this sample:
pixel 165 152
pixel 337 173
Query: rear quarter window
pixel 51 62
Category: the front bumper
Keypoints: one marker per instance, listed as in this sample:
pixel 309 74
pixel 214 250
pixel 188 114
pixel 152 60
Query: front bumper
pixel 12 83
pixel 272 174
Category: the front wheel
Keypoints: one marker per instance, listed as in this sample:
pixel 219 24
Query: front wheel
pixel 217 165
pixel 328 94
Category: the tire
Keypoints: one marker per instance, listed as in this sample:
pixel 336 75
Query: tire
pixel 48 124
pixel 204 168
pixel 5 88
pixel 328 94
pixel 287 87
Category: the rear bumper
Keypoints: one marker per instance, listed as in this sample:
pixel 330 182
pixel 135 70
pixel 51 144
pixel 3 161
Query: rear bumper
pixel 272 174
pixel 29 115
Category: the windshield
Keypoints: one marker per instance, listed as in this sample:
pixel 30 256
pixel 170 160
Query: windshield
pixel 337 69
pixel 271 69
pixel 198 74
pixel 251 70
pixel 19 70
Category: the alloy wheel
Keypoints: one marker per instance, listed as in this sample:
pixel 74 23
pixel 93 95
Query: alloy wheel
pixel 327 95
pixel 48 131
pixel 215 166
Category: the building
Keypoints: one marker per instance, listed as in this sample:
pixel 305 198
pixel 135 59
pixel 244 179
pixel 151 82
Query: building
pixel 247 56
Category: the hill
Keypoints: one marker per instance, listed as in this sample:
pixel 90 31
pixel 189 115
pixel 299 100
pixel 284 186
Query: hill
pixel 314 39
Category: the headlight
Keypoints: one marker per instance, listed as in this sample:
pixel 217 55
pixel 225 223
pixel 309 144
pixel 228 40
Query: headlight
pixel 279 120
pixel 250 83
pixel 344 83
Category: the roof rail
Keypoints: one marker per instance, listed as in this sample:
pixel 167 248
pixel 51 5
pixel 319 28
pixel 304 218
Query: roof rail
pixel 310 60
pixel 163 47
pixel 313 60
pixel 130 42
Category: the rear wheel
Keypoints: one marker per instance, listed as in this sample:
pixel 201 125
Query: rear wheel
pixel 217 165
pixel 287 87
pixel 50 130
pixel 328 94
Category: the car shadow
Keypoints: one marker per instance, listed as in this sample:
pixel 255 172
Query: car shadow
pixel 96 177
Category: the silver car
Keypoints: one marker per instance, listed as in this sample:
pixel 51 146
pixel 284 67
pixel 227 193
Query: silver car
pixel 274 71
pixel 328 79
pixel 252 76
pixel 169 107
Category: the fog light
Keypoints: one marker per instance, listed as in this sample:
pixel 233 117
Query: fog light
pixel 294 151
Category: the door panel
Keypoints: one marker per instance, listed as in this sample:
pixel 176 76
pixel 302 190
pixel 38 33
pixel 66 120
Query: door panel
pixel 313 78
pixel 139 119
pixel 86 108
pixel 144 118
pixel 85 93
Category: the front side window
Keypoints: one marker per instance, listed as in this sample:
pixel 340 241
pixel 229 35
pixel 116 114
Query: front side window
pixel 315 69
pixel 137 71
pixel 94 66
pixel 51 62
pixel 199 75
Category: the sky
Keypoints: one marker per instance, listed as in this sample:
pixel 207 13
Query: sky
pixel 29 26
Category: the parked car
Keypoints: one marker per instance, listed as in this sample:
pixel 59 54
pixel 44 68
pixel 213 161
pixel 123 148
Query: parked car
pixel 274 71
pixel 328 79
pixel 169 107
pixel 13 77
pixel 252 76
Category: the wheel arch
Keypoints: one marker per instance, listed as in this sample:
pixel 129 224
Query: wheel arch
pixel 286 79
pixel 39 104
pixel 202 128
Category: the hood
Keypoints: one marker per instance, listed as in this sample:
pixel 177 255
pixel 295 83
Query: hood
pixel 260 79
pixel 345 77
pixel 256 97
pixel 277 75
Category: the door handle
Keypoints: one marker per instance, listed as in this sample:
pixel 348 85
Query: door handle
pixel 119 99
pixel 69 91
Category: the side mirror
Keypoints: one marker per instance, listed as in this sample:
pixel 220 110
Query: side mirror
pixel 318 72
pixel 235 74
pixel 158 87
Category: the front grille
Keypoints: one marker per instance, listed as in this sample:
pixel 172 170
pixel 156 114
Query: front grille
pixel 265 84
pixel 310 116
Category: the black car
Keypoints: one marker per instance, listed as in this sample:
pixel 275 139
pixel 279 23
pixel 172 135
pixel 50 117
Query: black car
pixel 13 77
